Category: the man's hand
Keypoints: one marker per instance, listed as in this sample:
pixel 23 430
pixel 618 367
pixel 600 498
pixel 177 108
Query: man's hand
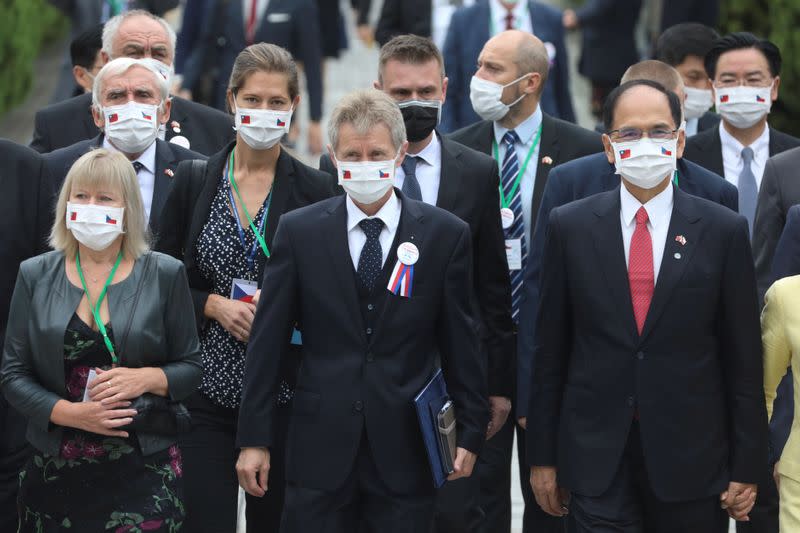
pixel 738 500
pixel 550 498
pixel 499 407
pixel 523 422
pixel 463 465
pixel 252 468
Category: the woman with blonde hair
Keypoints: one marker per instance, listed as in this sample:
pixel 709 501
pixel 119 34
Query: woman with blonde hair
pixel 98 327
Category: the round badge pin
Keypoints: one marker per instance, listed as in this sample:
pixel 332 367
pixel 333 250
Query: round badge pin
pixel 407 253
pixel 506 217
pixel 180 140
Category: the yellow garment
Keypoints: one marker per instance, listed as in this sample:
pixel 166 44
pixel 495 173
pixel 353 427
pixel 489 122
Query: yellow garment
pixel 790 505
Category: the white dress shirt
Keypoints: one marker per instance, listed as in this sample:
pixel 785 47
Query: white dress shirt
pixel 522 17
pixel 146 176
pixel 441 13
pixel 428 172
pixel 732 155
pixel 659 213
pixel 527 133
pixel 356 238
pixel 261 8
pixel 691 127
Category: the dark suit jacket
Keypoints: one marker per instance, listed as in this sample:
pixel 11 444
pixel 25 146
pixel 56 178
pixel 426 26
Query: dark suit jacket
pixel 469 31
pixel 677 11
pixel 168 155
pixel 579 179
pixel 779 191
pixel 695 369
pixel 608 46
pixel 290 24
pixel 469 188
pixel 561 141
pixel 707 121
pixel 25 200
pixel 65 123
pixel 350 385
pixel 705 148
pixel 399 17
pixel 295 185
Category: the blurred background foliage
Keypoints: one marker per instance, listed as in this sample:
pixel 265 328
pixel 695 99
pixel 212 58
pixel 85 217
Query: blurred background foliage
pixel 25 27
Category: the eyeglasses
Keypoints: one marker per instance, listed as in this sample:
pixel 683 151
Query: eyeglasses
pixel 732 82
pixel 634 134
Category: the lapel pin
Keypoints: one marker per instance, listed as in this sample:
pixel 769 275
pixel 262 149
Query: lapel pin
pixel 547 160
pixel 681 239
pixel 169 172
pixel 176 126
pixel 402 277
pixel 180 140
pixel 677 256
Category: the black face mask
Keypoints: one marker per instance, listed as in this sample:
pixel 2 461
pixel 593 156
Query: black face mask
pixel 420 119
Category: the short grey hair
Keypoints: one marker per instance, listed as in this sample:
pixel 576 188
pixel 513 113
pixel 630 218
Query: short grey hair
pixel 111 28
pixel 103 168
pixel 120 66
pixel 364 110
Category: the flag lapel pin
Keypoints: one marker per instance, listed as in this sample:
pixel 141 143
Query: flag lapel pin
pixel 680 239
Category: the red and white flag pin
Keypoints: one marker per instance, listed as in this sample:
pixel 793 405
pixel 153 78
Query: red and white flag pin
pixel 169 172
pixel 681 240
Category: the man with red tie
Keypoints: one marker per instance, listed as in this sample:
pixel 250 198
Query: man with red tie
pixel 646 397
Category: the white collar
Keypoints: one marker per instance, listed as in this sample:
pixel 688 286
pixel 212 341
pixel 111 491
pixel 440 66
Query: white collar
pixel 432 153
pixel 389 213
pixel 525 130
pixel 147 159
pixel 659 208
pixel 732 148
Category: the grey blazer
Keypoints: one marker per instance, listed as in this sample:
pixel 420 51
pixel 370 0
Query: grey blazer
pixel 162 334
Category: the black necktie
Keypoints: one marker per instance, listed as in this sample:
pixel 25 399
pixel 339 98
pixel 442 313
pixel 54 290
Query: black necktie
pixel 410 182
pixel 371 258
pixel 137 166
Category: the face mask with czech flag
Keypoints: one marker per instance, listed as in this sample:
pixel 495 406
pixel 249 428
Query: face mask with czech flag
pixel 743 106
pixel 366 181
pixel 261 129
pixel 94 226
pixel 131 127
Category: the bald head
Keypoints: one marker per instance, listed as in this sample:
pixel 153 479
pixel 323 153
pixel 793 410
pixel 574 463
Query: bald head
pixel 528 53
pixel 657 71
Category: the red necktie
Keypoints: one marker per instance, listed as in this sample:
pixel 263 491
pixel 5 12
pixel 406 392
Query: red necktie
pixel 510 19
pixel 250 31
pixel 640 269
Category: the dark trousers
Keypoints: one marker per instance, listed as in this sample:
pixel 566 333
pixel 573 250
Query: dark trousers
pixel 363 504
pixel 458 507
pixel 210 484
pixel 630 506
pixel 494 474
pixel 764 516
pixel 14 453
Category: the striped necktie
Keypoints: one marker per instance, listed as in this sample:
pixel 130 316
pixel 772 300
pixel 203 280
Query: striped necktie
pixel 508 177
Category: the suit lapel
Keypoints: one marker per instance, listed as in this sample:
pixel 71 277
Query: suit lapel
pixel 449 175
pixel 181 120
pixel 165 159
pixel 282 186
pixel 610 254
pixel 548 150
pixel 676 256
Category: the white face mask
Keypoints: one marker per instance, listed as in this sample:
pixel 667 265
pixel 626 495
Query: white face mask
pixel 366 181
pixel 167 71
pixel 94 226
pixel 486 97
pixel 645 163
pixel 131 127
pixel 698 101
pixel 743 106
pixel 261 129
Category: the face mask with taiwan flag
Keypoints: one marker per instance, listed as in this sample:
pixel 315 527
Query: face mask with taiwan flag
pixel 131 127
pixel 743 106
pixel 261 129
pixel 94 226
pixel 645 163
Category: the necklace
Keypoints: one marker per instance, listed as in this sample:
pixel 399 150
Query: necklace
pixel 95 277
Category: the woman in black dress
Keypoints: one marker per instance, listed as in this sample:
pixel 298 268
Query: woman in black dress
pixel 223 215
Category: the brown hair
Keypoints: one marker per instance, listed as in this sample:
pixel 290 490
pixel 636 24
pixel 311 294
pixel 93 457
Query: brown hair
pixel 409 49
pixel 264 57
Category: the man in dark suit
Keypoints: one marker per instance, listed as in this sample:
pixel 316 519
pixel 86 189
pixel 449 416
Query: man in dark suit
pixel 26 202
pixel 504 58
pixel 470 28
pixel 356 459
pixel 228 29
pixel 678 11
pixel 585 177
pixel 446 174
pixel 399 17
pixel 155 161
pixel 652 316
pixel 684 47
pixel 746 74
pixel 135 34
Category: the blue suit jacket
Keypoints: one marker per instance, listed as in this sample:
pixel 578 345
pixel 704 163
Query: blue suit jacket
pixel 469 31
pixel 572 181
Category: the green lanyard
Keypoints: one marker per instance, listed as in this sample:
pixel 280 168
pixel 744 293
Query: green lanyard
pixel 507 201
pixel 257 233
pixel 96 308
pixel 675 178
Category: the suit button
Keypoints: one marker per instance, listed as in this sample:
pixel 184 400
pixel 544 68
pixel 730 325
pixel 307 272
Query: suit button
pixel 358 406
pixel 640 355
pixel 370 357
pixel 631 401
pixel 369 331
pixel 370 307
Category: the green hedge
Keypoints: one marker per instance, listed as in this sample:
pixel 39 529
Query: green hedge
pixel 25 26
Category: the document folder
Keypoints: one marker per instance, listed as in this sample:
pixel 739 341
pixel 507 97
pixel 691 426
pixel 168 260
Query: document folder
pixel 428 403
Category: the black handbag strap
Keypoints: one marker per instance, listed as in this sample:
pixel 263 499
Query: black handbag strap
pixel 124 338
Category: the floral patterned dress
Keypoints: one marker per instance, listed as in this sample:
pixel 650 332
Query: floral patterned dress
pixel 98 483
